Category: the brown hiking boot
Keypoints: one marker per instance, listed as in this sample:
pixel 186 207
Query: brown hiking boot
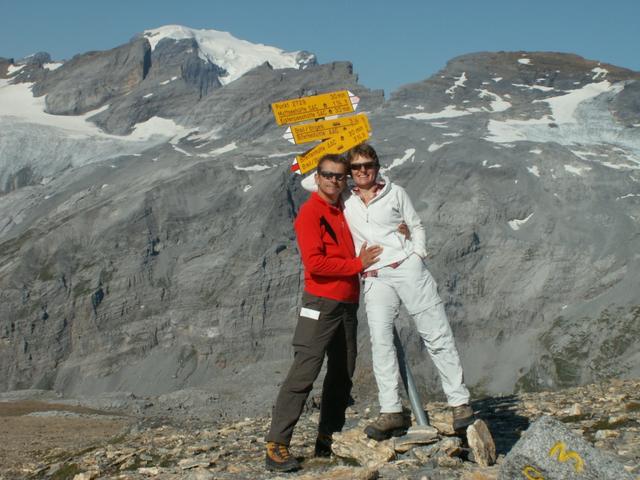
pixel 323 445
pixel 279 459
pixel 387 425
pixel 463 416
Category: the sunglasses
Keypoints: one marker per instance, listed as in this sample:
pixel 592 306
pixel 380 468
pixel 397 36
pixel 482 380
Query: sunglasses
pixel 366 166
pixel 329 175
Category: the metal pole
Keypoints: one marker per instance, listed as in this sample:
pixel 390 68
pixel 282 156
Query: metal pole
pixel 409 383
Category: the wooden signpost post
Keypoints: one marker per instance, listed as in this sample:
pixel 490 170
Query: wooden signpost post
pixel 338 134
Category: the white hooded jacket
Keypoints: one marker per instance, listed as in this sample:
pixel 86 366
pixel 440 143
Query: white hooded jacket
pixel 377 224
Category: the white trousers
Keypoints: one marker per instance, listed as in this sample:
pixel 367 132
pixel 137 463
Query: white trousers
pixel 412 284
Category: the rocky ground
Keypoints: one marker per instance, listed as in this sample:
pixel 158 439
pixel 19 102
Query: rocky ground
pixel 58 441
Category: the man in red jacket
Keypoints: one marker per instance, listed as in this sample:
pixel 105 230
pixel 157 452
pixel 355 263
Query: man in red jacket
pixel 327 321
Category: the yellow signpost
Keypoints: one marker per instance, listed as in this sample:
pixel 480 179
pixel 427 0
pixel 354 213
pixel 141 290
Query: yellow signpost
pixel 348 138
pixel 309 108
pixel 339 134
pixel 308 132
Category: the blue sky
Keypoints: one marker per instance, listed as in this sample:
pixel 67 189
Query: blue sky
pixel 390 43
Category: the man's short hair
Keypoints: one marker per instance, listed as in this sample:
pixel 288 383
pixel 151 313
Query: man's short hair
pixel 335 158
pixel 364 150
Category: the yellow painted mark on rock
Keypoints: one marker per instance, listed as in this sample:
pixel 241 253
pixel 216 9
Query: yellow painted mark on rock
pixel 532 473
pixel 560 450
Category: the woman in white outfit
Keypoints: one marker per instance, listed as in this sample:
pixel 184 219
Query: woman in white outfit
pixel 374 208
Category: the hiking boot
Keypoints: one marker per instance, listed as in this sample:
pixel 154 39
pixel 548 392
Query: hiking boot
pixel 323 445
pixel 463 416
pixel 279 459
pixel 387 425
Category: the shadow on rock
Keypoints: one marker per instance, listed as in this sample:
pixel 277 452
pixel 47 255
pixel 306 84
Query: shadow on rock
pixel 503 421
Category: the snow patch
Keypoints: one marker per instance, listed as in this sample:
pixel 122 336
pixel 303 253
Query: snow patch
pixel 497 103
pixel 563 107
pixel 253 168
pixel 290 154
pixel 408 154
pixel 246 188
pixel 450 111
pixel 542 88
pixel 599 72
pixel 537 151
pixel 516 224
pixel 495 165
pixel 628 195
pixel 166 82
pixel 13 69
pixel 235 56
pixel 576 170
pixel 460 82
pixel 524 61
pixel 534 170
pixel 512 130
pixel 51 66
pixel 437 146
pixel 227 148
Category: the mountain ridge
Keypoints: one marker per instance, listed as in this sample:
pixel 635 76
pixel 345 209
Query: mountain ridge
pixel 169 263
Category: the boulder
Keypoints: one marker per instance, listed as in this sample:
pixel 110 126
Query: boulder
pixel 549 450
pixel 481 443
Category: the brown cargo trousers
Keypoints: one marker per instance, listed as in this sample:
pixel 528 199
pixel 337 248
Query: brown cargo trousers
pixel 334 333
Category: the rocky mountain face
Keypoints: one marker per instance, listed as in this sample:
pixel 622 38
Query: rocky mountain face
pixel 146 240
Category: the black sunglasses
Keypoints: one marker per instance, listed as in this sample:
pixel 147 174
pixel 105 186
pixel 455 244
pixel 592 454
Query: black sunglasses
pixel 366 166
pixel 329 175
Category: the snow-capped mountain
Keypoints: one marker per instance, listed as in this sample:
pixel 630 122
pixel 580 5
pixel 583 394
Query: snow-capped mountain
pixel 234 56
pixel 146 241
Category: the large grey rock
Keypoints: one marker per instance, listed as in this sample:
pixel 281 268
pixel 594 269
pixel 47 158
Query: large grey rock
pixel 88 81
pixel 37 58
pixel 549 450
pixel 176 80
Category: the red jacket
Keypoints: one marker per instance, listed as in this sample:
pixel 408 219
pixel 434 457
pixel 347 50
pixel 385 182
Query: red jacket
pixel 328 255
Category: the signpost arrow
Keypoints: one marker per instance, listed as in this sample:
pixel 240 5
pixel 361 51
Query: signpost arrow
pixel 349 137
pixel 313 107
pixel 309 132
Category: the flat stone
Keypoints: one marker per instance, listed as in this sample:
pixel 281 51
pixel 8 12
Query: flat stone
pixel 418 435
pixel 602 434
pixel 199 474
pixel 444 461
pixel 489 473
pixel 549 450
pixel 188 463
pixel 449 446
pixel 481 443
pixel 148 470
pixel 343 473
pixel 354 444
pixel 84 476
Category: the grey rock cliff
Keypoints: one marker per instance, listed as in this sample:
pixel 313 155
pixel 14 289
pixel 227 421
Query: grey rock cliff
pixel 174 266
pixel 88 81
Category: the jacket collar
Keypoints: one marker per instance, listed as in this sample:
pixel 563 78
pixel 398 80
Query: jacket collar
pixel 385 186
pixel 318 199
